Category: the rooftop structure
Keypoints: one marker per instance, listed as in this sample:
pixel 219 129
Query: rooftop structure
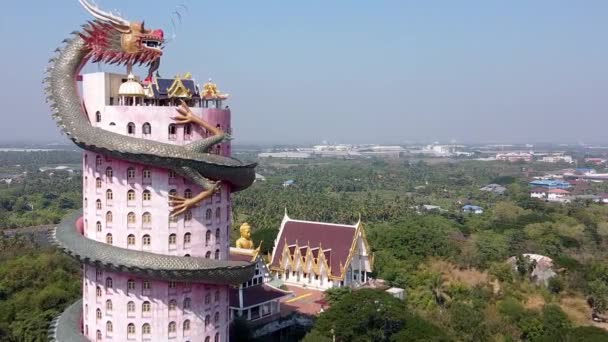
pixel 550 184
pixel 474 209
pixel 494 188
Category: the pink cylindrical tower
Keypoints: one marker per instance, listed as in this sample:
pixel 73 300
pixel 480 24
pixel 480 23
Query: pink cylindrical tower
pixel 126 205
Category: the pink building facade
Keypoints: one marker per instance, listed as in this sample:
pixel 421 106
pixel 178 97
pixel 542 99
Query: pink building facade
pixel 126 205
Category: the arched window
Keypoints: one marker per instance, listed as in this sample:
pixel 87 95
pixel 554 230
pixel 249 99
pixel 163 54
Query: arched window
pixel 146 219
pixel 187 131
pixel 98 204
pixel 97 116
pixel 131 240
pixel 188 193
pixel 146 240
pixel 145 307
pixel 130 307
pixel 145 329
pixel 172 305
pixel 207 237
pixel 98 291
pixel 208 214
pixel 146 284
pixel 98 335
pixel 109 195
pixel 217 235
pixel 146 129
pixel 187 238
pixel 217 253
pixel 131 329
pixel 147 195
pixel 109 173
pixel 218 214
pixel 130 128
pixel 207 320
pixel 217 337
pixel 109 239
pixel 98 313
pixel 147 176
pixel 172 239
pixel 98 161
pixel 208 255
pixel 109 327
pixel 109 306
pixel 172 132
pixel 98 226
pixel 109 283
pixel 187 325
pixel 187 303
pixel 172 327
pixel 130 286
pixel 172 176
pixel 131 218
pixel 188 216
pixel 109 217
pixel 216 317
pixel 131 174
pixel 98 183
pixel 216 296
pixel 207 339
pixel 131 195
pixel 172 192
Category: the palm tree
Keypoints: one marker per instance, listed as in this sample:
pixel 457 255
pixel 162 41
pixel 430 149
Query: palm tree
pixel 437 285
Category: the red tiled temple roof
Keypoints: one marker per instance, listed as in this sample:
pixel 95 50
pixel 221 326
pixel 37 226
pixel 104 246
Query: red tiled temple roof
pixel 335 240
pixel 255 295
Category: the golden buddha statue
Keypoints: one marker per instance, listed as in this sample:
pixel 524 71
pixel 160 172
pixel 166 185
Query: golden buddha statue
pixel 245 240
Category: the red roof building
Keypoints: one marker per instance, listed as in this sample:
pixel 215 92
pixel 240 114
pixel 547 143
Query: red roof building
pixel 321 255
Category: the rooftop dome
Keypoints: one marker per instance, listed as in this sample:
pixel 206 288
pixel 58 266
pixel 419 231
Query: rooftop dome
pixel 131 87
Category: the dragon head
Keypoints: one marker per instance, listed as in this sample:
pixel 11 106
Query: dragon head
pixel 114 40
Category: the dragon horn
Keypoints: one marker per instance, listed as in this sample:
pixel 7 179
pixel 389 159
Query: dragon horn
pixel 102 15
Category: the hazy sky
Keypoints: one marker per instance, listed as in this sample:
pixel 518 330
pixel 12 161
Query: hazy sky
pixel 352 71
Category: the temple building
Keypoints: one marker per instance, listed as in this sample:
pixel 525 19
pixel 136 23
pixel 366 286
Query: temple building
pixel 254 299
pixel 321 255
pixel 153 235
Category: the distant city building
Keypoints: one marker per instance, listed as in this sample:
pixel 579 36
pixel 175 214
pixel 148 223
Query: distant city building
pixel 557 159
pixel 596 161
pixel 515 157
pixel 543 267
pixel 285 155
pixel 494 188
pixel 259 178
pixel 474 209
pixel 557 194
pixel 540 193
pixel 550 184
pixel 396 292
pixel 321 255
